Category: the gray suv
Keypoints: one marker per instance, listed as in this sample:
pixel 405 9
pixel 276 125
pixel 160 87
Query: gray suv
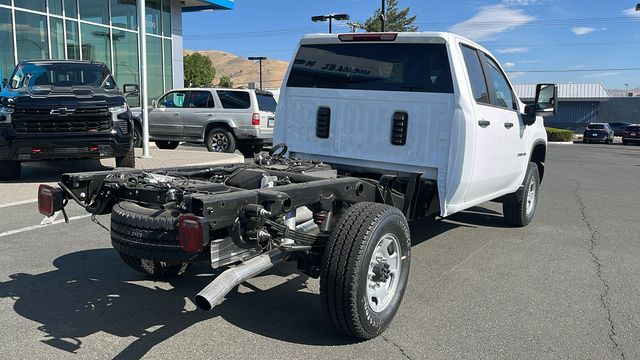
pixel 223 119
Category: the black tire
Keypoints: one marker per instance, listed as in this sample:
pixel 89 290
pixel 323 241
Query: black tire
pixel 128 160
pixel 344 273
pixel 584 141
pixel 515 211
pixel 219 139
pixel 10 170
pixel 140 233
pixel 624 142
pixel 250 150
pixel 137 136
pixel 167 145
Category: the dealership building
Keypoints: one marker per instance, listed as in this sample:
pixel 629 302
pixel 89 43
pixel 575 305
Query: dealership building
pixel 101 30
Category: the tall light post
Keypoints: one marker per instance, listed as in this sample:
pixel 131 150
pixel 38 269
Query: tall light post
pixel 626 91
pixel 382 15
pixel 259 58
pixel 330 18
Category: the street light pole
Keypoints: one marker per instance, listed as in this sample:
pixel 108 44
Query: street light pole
pixel 329 18
pixel 382 15
pixel 626 91
pixel 259 58
pixel 144 102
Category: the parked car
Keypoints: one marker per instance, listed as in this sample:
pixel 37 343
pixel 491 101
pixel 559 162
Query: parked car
pixel 381 129
pixel 63 109
pixel 618 127
pixel 600 132
pixel 223 119
pixel 631 134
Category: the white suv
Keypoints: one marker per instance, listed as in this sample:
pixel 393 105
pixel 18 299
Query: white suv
pixel 223 119
pixel 430 103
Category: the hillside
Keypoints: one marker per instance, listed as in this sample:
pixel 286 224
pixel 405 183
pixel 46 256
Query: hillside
pixel 243 71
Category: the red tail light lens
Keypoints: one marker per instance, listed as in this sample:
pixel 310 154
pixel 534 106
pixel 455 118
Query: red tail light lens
pixel 368 37
pixel 255 119
pixel 50 200
pixel 192 232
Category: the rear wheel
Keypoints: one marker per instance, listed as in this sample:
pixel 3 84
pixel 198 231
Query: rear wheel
pixel 519 211
pixel 365 269
pixel 167 145
pixel 137 136
pixel 220 140
pixel 10 170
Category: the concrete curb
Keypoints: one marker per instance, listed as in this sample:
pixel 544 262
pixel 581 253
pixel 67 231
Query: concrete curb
pixel 560 142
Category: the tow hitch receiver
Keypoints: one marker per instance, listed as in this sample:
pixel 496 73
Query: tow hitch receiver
pixel 50 200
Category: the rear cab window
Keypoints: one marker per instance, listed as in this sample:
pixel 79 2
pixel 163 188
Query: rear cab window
pixel 234 99
pixel 596 127
pixel 373 66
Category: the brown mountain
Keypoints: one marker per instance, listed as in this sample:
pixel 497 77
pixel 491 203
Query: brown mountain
pixel 243 71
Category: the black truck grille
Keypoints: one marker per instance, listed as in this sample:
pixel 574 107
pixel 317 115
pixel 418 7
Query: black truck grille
pixel 61 121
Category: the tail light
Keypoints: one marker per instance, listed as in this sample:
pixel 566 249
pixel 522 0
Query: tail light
pixel 192 232
pixel 50 200
pixel 368 37
pixel 255 119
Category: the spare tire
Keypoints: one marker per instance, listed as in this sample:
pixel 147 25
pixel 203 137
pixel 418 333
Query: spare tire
pixel 149 234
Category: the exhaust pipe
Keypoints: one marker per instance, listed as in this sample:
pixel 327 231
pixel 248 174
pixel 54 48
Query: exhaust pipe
pixel 213 294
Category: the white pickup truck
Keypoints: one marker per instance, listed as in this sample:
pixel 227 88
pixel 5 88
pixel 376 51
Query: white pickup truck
pixel 381 129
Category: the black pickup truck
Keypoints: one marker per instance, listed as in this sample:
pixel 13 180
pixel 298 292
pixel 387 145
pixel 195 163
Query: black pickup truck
pixel 61 109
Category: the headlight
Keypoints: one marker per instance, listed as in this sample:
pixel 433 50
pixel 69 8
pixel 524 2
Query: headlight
pixel 118 109
pixel 5 110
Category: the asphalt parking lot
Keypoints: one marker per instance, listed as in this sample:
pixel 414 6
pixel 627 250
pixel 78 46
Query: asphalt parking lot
pixel 567 286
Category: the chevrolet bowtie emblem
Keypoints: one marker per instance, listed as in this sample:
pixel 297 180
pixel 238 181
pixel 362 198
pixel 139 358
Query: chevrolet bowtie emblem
pixel 62 111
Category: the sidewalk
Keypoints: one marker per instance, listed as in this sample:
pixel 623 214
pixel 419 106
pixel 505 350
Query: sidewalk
pixel 25 189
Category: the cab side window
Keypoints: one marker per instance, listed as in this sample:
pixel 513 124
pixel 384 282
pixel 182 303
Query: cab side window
pixel 476 75
pixel 200 100
pixel 503 93
pixel 174 99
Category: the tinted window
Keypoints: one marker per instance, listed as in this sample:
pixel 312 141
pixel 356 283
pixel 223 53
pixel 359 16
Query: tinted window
pixel 386 67
pixel 596 126
pixel 476 75
pixel 62 75
pixel 266 102
pixel 632 128
pixel 234 99
pixel 173 100
pixel 200 99
pixel 504 95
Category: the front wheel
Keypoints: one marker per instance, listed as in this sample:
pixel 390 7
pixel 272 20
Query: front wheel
pixel 128 160
pixel 365 269
pixel 519 211
pixel 220 140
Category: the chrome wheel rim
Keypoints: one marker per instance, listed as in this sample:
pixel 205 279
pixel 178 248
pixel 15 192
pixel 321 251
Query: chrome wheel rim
pixel 531 196
pixel 384 272
pixel 219 142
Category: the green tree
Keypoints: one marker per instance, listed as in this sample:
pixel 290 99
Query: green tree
pixel 225 82
pixel 198 71
pixel 395 20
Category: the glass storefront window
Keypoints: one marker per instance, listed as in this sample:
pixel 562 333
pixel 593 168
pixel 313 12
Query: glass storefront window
pixel 31 36
pixel 55 7
pixel 155 77
pixel 73 41
pixel 5 2
pixel 95 43
pixel 37 5
pixel 7 60
pixel 166 17
pixel 71 8
pixel 57 38
pixel 95 11
pixel 125 54
pixel 154 17
pixel 123 14
pixel 168 66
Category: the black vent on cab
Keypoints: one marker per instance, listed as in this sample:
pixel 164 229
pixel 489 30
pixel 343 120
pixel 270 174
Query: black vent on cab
pixel 323 123
pixel 399 128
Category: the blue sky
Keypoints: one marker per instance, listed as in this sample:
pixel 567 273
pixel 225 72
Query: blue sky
pixel 525 35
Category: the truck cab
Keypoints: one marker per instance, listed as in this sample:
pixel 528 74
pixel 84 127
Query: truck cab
pixel 433 103
pixel 63 109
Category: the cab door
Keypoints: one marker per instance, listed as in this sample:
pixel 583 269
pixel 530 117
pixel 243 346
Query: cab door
pixel 165 120
pixel 496 121
pixel 199 110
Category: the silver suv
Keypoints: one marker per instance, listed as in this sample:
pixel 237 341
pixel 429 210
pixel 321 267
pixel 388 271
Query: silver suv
pixel 223 119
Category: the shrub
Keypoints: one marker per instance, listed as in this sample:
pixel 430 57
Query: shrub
pixel 559 135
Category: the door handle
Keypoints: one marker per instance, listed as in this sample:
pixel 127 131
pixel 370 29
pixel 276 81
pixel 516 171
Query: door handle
pixel 508 125
pixel 176 114
pixel 484 123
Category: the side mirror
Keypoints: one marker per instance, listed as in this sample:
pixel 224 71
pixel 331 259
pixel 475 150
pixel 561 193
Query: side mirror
pixel 130 89
pixel 545 104
pixel 154 103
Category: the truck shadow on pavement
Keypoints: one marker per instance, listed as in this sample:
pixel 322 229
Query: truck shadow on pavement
pixel 50 171
pixel 93 291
